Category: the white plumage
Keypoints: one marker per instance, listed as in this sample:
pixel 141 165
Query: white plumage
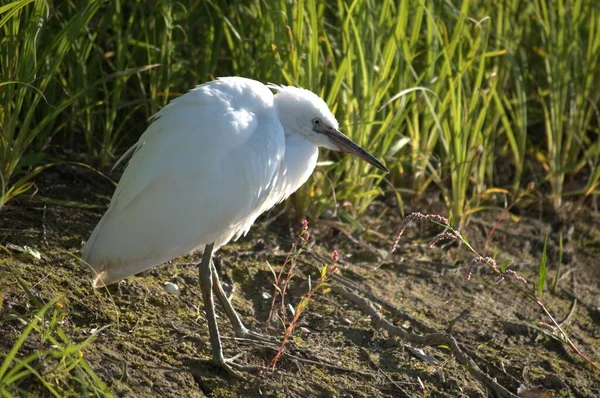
pixel 210 163
pixel 201 173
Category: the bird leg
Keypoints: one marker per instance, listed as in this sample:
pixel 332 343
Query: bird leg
pixel 206 285
pixel 238 327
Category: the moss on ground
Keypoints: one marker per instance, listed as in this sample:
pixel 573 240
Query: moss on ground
pixel 150 338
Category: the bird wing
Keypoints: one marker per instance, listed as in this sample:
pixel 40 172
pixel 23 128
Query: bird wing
pixel 199 174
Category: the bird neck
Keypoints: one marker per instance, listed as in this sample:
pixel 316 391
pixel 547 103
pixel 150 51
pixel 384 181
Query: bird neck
pixel 296 167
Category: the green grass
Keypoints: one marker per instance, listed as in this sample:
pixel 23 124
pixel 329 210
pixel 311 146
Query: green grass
pixel 30 61
pixel 450 125
pixel 568 90
pixel 439 89
pixel 57 366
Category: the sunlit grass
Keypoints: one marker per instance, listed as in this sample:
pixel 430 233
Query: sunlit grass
pixel 30 101
pixel 57 367
pixel 568 90
pixel 438 89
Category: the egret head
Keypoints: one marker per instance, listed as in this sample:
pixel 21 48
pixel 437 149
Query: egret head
pixel 303 112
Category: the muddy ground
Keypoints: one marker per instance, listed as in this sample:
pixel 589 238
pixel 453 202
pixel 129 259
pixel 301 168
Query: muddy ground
pixel 146 339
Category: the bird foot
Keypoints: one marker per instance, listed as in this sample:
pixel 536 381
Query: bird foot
pixel 243 333
pixel 229 365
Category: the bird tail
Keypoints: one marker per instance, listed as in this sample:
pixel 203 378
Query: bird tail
pixel 107 269
pixel 110 260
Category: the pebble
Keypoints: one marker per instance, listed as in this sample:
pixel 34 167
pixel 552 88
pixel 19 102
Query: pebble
pixel 172 288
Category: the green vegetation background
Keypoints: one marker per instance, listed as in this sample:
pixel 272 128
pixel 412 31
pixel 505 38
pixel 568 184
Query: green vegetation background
pixel 475 98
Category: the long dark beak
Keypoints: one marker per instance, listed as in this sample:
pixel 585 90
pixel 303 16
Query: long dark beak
pixel 346 145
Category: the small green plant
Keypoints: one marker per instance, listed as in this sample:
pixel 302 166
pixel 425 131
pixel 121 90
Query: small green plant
pixel 281 285
pixel 559 263
pixel 289 265
pixel 57 366
pixel 543 270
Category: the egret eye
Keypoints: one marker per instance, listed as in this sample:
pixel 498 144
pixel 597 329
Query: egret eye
pixel 316 122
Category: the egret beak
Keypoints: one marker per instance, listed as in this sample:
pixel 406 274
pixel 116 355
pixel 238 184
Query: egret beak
pixel 346 145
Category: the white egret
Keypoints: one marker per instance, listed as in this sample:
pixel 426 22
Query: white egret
pixel 210 163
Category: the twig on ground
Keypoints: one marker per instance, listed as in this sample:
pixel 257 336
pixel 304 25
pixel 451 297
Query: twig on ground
pixel 565 338
pixel 431 339
pixel 317 361
pixel 373 364
pixel 322 285
pixel 465 314
pixel 291 258
pixel 502 272
pixel 570 314
pixel 402 315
